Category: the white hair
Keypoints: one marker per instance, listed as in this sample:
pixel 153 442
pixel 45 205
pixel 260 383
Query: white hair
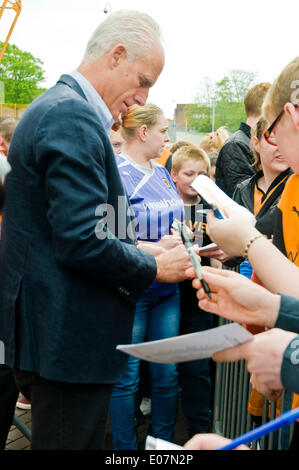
pixel 137 31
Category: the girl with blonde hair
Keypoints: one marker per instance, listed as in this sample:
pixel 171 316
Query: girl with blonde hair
pixel 155 203
pixel 214 141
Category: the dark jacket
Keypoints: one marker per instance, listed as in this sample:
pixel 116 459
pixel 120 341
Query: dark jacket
pixel 234 162
pixel 244 195
pixel 68 284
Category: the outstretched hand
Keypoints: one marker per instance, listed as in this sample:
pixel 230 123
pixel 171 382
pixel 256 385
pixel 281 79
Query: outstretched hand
pixel 237 298
pixel 264 355
pixel 209 442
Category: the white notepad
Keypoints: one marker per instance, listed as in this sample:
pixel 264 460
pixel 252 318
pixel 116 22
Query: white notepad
pixel 215 196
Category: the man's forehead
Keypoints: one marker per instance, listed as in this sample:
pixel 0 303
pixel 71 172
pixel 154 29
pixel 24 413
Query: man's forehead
pixel 152 65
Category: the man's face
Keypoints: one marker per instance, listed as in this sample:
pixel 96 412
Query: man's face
pixel 130 81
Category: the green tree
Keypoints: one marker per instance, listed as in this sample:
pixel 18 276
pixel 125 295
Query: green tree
pixel 21 74
pixel 225 97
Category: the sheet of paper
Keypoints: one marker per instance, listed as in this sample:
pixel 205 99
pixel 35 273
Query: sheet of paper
pixel 211 246
pixel 154 443
pixel 214 195
pixel 189 347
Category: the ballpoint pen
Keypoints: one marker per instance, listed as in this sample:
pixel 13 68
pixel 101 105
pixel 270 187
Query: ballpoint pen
pixel 186 239
pixel 286 418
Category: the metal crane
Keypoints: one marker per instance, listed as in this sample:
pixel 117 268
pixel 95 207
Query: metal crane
pixel 15 5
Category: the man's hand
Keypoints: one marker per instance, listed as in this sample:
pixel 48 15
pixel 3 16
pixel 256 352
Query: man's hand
pixel 173 264
pixel 237 298
pixel 170 241
pixel 264 355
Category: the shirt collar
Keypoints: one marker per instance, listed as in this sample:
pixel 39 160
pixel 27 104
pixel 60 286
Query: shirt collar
pixel 246 129
pixel 95 100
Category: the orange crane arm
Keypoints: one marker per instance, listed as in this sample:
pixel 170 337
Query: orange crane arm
pixel 15 5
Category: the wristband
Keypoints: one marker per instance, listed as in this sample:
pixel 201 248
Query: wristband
pixel 250 243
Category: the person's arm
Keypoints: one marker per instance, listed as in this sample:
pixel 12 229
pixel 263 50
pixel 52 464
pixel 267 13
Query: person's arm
pixel 236 298
pixel 157 248
pixel 288 316
pixel 264 354
pixel 274 270
pixel 209 442
pixel 290 366
pixel 71 158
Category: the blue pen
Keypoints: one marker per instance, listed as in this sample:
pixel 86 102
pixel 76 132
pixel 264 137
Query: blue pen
pixel 286 418
pixel 216 211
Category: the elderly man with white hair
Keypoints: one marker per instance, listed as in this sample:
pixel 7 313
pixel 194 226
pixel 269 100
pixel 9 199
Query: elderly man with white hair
pixel 70 271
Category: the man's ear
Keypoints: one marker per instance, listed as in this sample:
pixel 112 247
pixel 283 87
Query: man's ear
pixel 293 112
pixel 116 55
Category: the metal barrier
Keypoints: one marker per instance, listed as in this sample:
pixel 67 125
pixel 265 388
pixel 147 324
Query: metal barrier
pixel 22 427
pixel 231 418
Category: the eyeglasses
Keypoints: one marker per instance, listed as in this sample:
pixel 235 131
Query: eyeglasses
pixel 269 136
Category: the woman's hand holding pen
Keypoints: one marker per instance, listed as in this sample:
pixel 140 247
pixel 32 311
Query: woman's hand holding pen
pixel 231 234
pixel 237 298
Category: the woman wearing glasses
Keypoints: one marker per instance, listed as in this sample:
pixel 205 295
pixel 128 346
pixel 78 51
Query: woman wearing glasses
pixel 276 266
pixel 261 193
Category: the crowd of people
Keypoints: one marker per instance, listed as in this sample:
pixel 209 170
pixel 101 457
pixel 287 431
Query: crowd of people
pixel 89 258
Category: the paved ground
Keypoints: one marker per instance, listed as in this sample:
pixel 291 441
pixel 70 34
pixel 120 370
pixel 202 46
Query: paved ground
pixel 17 441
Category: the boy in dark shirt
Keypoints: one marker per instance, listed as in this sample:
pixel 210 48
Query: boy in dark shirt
pixel 187 163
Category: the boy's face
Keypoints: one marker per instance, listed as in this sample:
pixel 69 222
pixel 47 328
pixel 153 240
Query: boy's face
pixel 4 146
pixel 183 178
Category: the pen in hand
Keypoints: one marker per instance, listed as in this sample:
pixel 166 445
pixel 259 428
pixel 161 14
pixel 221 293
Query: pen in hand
pixel 180 228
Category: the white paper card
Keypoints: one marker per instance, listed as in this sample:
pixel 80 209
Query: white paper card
pixel 189 347
pixel 154 443
pixel 215 196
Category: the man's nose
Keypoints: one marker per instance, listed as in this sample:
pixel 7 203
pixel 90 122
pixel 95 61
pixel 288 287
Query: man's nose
pixel 141 97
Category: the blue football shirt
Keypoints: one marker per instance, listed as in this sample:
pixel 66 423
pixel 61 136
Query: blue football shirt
pixel 155 202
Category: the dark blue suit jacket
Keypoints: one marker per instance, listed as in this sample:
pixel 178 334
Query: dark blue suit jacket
pixel 67 295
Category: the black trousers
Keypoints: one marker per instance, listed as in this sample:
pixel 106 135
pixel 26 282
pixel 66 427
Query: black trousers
pixel 65 416
pixel 8 398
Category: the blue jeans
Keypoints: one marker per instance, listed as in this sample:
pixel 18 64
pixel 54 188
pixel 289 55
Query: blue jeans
pixel 196 377
pixel 155 318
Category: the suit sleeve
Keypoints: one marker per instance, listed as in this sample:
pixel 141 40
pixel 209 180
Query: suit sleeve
pixel 288 317
pixel 290 367
pixel 71 157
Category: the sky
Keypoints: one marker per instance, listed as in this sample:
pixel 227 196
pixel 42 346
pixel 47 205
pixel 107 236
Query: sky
pixel 200 37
